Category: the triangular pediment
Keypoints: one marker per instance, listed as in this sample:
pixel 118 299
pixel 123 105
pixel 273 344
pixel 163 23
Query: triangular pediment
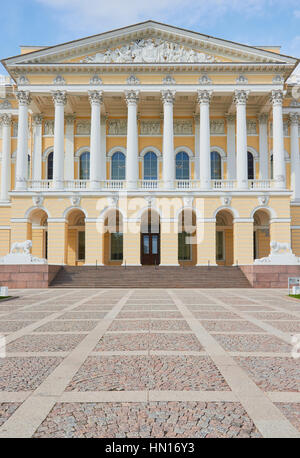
pixel 149 42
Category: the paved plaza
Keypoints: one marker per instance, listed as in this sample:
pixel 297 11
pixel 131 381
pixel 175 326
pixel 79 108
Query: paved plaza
pixel 149 363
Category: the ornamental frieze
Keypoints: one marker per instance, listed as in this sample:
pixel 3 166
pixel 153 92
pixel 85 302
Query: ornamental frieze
pixel 149 51
pixel 117 126
pixel 183 127
pixel 150 127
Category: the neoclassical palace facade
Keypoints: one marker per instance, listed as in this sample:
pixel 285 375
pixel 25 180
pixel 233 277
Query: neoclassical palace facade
pixel 150 144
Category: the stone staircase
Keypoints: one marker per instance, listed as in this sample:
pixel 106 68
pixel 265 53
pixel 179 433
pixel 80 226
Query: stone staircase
pixel 149 277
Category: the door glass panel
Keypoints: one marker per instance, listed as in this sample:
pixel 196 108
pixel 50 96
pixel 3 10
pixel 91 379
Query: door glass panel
pixel 146 244
pixel 154 244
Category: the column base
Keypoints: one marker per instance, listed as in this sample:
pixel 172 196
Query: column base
pixel 131 265
pixel 169 265
pixel 207 265
pixel 98 265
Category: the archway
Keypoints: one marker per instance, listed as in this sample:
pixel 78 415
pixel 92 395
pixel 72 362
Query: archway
pixel 113 238
pixel 76 238
pixel 187 246
pixel 150 238
pixel 39 233
pixel 261 234
pixel 224 238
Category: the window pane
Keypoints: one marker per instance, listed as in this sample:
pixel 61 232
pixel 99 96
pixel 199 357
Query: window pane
pixel 50 166
pixel 150 166
pixel 250 166
pixel 271 167
pixel 84 172
pixel 220 245
pixel 116 246
pixel 28 167
pixel 81 245
pixel 146 248
pixel 118 166
pixel 182 166
pixel 154 244
pixel 216 166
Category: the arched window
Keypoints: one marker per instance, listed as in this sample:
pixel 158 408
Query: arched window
pixel 250 166
pixel 216 165
pixel 84 166
pixel 150 166
pixel 50 166
pixel 118 166
pixel 182 166
pixel 271 167
pixel 28 167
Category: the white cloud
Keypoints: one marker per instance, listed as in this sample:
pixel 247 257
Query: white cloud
pixel 95 16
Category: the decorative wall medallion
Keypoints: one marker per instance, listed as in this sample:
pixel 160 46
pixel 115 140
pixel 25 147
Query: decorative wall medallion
pixel 23 79
pixel 183 127
pixel 241 79
pixel 169 80
pixel 217 127
pixel 150 200
pixel 75 200
pixel 263 200
pixel 117 126
pixel 132 79
pixel 83 128
pixel 251 127
pixel 37 200
pixel 95 80
pixel 204 79
pixel 49 128
pixel 150 50
pixel 150 127
pixel 278 79
pixel 59 80
pixel 226 200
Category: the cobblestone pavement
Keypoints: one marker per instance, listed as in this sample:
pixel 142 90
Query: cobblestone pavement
pixel 149 363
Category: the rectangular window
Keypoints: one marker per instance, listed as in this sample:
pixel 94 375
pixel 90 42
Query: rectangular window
pixel 184 247
pixel 116 246
pixel 81 245
pixel 220 248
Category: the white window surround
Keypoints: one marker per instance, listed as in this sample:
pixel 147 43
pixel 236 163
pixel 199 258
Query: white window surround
pixel 189 152
pixel 150 149
pixel 223 155
pixel 111 152
pixel 46 153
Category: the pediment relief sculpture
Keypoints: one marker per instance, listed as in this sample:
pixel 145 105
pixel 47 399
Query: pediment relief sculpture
pixel 251 127
pixel 117 126
pixel 183 127
pixel 149 51
pixel 49 128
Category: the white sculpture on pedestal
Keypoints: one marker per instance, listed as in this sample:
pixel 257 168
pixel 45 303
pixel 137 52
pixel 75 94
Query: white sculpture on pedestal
pixel 20 254
pixel 281 254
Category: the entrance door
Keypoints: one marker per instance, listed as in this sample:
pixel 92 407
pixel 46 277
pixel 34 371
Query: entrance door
pixel 150 249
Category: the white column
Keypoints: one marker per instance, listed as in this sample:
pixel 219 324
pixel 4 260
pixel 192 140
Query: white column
pixel 295 159
pixel 96 162
pixel 103 147
pixel 168 98
pixel 69 147
pixel 5 163
pixel 132 165
pixel 240 99
pixel 37 147
pixel 231 156
pixel 263 147
pixel 22 148
pixel 279 172
pixel 197 146
pixel 205 167
pixel 60 99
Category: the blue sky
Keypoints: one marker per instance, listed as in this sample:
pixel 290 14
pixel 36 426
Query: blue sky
pixel 48 22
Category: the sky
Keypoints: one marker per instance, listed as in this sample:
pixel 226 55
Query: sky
pixel 50 22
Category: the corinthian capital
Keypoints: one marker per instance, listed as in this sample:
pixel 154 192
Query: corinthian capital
pixel 168 96
pixel 96 97
pixel 277 97
pixel 240 97
pixel 132 97
pixel 5 119
pixel 59 97
pixel 23 97
pixel 294 118
pixel 204 96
